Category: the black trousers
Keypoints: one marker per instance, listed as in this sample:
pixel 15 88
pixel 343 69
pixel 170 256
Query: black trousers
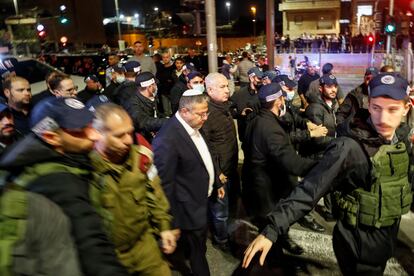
pixel 192 247
pixel 363 250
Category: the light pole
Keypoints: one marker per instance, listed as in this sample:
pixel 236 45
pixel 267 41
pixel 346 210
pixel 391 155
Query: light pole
pixel 228 5
pixel 136 16
pixel 16 7
pixel 253 9
pixel 118 23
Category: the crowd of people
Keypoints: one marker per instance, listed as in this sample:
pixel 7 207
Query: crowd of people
pixel 341 43
pixel 128 177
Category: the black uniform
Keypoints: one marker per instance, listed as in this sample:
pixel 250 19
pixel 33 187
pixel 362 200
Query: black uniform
pixel 295 125
pixel 345 167
pixel 305 81
pixel 319 112
pixel 246 97
pixel 271 165
pixel 355 100
pixel 177 91
pixel 144 114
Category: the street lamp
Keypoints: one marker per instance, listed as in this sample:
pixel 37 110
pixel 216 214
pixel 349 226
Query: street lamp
pixel 253 10
pixel 156 9
pixel 136 16
pixel 228 5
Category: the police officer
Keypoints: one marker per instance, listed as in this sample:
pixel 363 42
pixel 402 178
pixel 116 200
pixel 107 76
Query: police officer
pixel 93 87
pixel 127 89
pixel 368 170
pixel 271 164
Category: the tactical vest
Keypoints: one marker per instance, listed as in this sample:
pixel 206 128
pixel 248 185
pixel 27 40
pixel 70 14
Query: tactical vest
pixel 120 199
pixel 13 209
pixel 389 196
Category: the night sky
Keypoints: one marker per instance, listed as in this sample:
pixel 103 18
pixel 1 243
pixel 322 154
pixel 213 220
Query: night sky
pixel 129 7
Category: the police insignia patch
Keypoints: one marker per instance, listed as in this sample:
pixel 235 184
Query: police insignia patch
pixel 74 103
pixel 387 79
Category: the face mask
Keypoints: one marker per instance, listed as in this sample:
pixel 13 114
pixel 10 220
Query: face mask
pixel 199 87
pixel 282 111
pixel 120 79
pixel 156 91
pixel 290 95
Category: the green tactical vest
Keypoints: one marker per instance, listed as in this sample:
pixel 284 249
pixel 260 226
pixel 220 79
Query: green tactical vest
pixel 389 196
pixel 119 195
pixel 13 209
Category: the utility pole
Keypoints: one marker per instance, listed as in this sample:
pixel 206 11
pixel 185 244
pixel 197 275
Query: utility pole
pixel 118 23
pixel 210 7
pixel 270 32
pixel 389 38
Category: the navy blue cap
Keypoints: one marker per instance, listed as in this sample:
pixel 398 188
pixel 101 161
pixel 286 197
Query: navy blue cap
pixel 189 66
pixel 389 85
pixel 270 92
pixel 285 80
pixel 3 107
pixel 371 71
pixel 145 79
pixel 91 77
pixel 255 71
pixel 53 113
pixel 96 101
pixel 119 68
pixel 270 75
pixel 328 79
pixel 327 68
pixel 194 74
pixel 7 66
pixel 132 66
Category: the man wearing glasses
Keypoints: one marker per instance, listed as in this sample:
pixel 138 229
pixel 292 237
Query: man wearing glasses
pixel 189 177
pixel 63 86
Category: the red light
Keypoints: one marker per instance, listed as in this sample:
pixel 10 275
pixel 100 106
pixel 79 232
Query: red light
pixel 42 33
pixel 371 39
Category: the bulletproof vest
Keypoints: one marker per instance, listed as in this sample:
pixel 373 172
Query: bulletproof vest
pixel 389 195
pixel 13 208
pixel 119 196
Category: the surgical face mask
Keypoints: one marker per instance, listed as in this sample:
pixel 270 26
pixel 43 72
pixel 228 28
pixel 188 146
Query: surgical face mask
pixel 282 111
pixel 290 95
pixel 199 87
pixel 120 79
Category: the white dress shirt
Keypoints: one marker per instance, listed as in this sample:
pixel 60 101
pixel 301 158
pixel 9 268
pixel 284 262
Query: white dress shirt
pixel 202 148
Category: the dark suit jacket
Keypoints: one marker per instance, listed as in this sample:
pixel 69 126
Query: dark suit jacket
pixel 183 174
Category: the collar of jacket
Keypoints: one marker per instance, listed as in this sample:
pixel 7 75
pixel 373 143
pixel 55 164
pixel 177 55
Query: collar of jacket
pixel 103 166
pixel 361 129
pixel 222 107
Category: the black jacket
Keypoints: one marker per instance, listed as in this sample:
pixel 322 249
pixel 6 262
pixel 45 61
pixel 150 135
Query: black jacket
pixel 71 193
pixel 220 131
pixel 304 82
pixel 41 96
pixel 177 91
pixel 271 164
pixel 352 103
pixel 86 94
pixel 295 125
pixel 124 91
pixel 183 174
pixel 344 167
pixel 319 112
pixel 245 98
pixel 21 121
pixel 110 91
pixel 144 114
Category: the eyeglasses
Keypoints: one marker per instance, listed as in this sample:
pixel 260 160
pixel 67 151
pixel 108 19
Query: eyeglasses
pixel 202 115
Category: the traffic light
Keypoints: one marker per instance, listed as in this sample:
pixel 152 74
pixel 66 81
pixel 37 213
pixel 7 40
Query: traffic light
pixel 390 26
pixel 41 32
pixel 62 18
pixel 371 39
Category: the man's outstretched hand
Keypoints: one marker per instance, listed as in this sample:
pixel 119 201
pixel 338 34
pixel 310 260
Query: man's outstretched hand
pixel 261 243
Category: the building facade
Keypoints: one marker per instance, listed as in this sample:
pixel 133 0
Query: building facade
pixel 311 17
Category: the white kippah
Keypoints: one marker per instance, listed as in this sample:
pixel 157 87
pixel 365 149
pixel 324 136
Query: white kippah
pixel 192 92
